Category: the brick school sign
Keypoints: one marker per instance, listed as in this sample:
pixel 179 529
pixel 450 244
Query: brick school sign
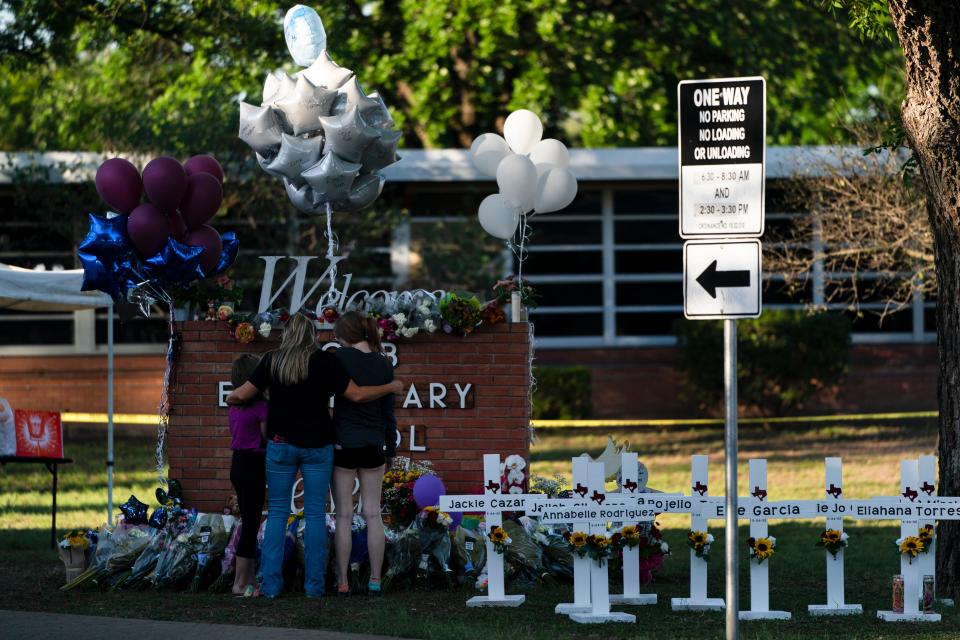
pixel 462 397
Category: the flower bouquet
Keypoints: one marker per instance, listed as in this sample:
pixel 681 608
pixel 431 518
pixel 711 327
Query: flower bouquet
pixel 911 547
pixel 598 547
pixel 761 548
pixel 833 541
pixel 700 542
pixel 926 536
pixel 461 313
pixel 513 474
pixel 402 555
pixel 434 526
pixel 504 289
pixel 189 554
pixel 398 484
pixel 499 538
pixel 522 557
pixel 74 551
pixel 125 545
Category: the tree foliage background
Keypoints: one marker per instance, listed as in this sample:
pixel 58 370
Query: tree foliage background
pixel 166 75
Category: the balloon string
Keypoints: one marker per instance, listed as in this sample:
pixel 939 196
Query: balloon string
pixel 521 250
pixel 330 297
pixel 164 409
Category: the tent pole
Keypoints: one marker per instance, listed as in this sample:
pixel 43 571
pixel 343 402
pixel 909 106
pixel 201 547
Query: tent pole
pixel 110 413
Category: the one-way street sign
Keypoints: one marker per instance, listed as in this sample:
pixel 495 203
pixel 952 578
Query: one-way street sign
pixel 721 279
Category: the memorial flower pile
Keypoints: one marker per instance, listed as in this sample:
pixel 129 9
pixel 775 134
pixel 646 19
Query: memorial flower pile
pixel 461 313
pixel 700 542
pixel 761 548
pixel 398 484
pixel 78 539
pixel 926 536
pixel 833 540
pixel 911 547
pixel 504 288
pixel 435 518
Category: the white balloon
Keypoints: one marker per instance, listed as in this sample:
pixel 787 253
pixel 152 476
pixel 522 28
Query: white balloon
pixel 517 179
pixel 556 189
pixel 498 216
pixel 522 130
pixel 487 151
pixel 551 152
pixel 306 38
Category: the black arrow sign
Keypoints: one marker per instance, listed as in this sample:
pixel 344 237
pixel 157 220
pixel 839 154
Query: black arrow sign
pixel 711 279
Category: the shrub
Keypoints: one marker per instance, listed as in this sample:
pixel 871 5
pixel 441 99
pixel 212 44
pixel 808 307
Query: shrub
pixel 783 359
pixel 563 393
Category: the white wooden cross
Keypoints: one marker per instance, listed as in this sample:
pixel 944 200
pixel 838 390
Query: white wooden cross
pixel 581 566
pixel 599 585
pixel 760 571
pixel 927 478
pixel 633 480
pixel 836 605
pixel 698 600
pixel 492 504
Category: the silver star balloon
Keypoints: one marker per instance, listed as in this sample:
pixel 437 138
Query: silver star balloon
pixel 331 178
pixel 348 135
pixel 365 190
pixel 351 95
pixel 376 114
pixel 302 198
pixel 324 72
pixel 295 156
pixel 382 152
pixel 260 129
pixel 277 86
pixel 304 107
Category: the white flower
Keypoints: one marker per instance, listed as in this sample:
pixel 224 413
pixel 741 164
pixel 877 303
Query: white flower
pixel 409 332
pixel 515 476
pixel 264 329
pixel 429 325
pixel 515 489
pixel 424 309
pixel 400 319
pixel 709 538
pixel 900 541
pixel 516 462
pixel 64 544
pixel 773 541
pixel 844 537
pixel 664 547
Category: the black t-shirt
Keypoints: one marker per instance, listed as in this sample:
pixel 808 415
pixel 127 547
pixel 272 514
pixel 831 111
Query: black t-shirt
pixel 366 424
pixel 299 413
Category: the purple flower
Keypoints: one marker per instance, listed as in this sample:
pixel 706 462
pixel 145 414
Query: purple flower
pixel 447 327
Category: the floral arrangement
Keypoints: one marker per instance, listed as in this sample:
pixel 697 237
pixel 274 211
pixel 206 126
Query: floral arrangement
pixel 926 536
pixel 461 313
pixel 700 542
pixel 833 541
pixel 207 294
pixel 78 539
pixel 551 487
pixel 398 484
pixel 504 288
pixel 629 537
pixel 246 327
pixel 761 548
pixel 499 539
pixel 434 518
pixel 597 547
pixel 513 474
pixel 911 547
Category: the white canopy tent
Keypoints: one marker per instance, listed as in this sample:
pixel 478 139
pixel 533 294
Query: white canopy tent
pixel 52 291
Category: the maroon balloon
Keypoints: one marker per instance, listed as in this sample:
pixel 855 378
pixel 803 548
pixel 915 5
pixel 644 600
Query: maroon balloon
pixel 201 200
pixel 176 225
pixel 204 164
pixel 165 181
pixel 118 183
pixel 148 229
pixel 207 237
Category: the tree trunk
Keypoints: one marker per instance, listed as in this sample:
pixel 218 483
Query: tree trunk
pixel 929 33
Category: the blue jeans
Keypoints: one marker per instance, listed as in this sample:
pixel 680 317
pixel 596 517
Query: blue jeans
pixel 316 465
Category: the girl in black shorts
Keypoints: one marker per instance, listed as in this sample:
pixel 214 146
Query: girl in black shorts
pixel 366 441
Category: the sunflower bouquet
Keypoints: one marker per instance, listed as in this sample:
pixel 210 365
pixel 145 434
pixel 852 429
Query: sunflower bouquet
pixel 761 548
pixel 833 541
pixel 499 539
pixel 911 547
pixel 926 536
pixel 700 542
pixel 597 547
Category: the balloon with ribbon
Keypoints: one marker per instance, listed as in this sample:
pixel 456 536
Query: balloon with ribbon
pixel 533 177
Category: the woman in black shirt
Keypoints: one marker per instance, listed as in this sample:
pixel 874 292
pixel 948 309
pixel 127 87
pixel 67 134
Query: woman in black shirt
pixel 301 380
pixel 366 441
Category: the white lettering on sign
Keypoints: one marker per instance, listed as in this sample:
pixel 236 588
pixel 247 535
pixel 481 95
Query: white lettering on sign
pixel 413 398
pixel 437 393
pixel 490 503
pixel 438 396
pixel 462 392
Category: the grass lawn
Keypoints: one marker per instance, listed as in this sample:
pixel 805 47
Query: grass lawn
pixel 30 572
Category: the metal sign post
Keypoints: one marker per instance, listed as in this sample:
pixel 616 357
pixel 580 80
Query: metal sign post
pixel 722 157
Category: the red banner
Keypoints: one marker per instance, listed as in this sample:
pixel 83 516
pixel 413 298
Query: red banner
pixel 38 434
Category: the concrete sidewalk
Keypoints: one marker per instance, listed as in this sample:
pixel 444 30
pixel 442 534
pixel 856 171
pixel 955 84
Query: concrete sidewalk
pixel 30 625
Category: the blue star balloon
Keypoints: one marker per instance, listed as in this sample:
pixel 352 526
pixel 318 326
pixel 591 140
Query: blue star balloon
pixel 107 238
pixel 159 518
pixel 231 245
pixel 176 264
pixel 134 511
pixel 97 277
